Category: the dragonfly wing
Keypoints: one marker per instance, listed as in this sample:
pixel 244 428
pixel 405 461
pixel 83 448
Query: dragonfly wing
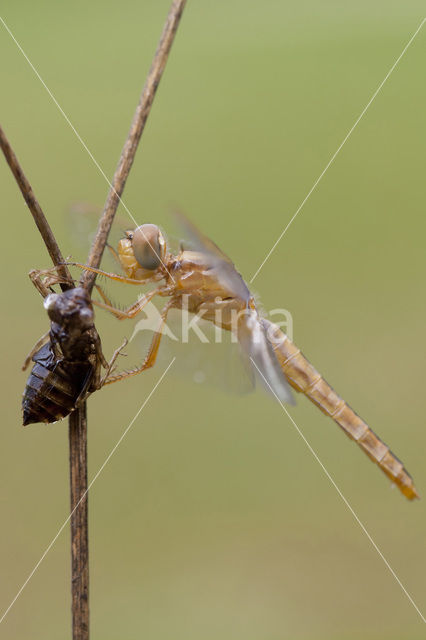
pixel 225 269
pixel 223 366
pixel 241 376
pixel 198 240
pixel 81 219
pixel 254 341
pixel 217 361
pixel 258 352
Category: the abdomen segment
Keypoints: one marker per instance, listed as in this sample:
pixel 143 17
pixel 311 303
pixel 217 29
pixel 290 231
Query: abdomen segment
pixel 303 377
pixel 53 387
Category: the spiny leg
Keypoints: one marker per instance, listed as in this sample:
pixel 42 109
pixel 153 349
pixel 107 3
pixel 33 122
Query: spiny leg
pixel 116 276
pixel 38 345
pixel 107 301
pixel 109 306
pixel 110 364
pixel 152 352
pixel 135 308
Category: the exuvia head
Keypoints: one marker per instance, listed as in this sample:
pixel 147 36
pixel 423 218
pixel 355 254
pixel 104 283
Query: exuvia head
pixel 71 307
pixel 149 246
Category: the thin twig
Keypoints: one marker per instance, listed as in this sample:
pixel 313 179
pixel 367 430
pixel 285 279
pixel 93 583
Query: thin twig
pixel 78 419
pixel 129 150
pixel 37 212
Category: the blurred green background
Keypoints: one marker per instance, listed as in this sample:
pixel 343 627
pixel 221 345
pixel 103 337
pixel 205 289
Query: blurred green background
pixel 213 520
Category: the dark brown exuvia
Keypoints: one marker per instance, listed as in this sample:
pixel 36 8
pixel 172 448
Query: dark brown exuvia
pixel 68 365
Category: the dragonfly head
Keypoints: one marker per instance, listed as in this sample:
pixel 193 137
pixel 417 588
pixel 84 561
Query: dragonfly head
pixel 148 246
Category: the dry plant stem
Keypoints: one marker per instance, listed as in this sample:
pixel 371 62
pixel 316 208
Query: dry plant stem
pixel 79 528
pixel 77 428
pixel 78 419
pixel 33 205
pixel 129 150
pixel 77 434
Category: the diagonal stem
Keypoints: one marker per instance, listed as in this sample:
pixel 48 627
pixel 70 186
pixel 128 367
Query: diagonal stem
pixel 78 419
pixel 130 146
pixel 35 208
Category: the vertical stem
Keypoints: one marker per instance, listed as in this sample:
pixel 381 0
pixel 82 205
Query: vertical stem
pixel 79 524
pixel 78 419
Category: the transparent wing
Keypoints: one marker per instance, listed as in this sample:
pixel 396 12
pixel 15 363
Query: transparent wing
pixel 215 259
pixel 198 240
pixel 211 358
pixel 256 355
pixel 254 341
pixel 81 220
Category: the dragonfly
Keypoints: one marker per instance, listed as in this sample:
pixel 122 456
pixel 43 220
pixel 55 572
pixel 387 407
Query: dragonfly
pixel 203 280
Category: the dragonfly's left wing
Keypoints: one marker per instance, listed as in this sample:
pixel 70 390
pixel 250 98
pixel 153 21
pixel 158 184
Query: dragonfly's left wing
pixel 255 343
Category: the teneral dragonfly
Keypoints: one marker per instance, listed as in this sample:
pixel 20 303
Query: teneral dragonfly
pixel 204 281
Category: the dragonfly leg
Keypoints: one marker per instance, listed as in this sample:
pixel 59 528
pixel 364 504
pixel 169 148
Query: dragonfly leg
pixel 103 295
pixel 110 365
pixel 152 352
pixel 134 308
pixel 113 253
pixel 116 276
pixel 121 314
pixel 38 345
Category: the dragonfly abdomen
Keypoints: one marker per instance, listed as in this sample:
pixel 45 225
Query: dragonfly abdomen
pixel 303 377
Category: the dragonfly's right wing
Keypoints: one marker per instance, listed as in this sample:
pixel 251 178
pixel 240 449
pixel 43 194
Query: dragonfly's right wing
pixel 216 360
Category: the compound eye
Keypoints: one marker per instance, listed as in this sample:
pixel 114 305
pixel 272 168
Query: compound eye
pixel 148 246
